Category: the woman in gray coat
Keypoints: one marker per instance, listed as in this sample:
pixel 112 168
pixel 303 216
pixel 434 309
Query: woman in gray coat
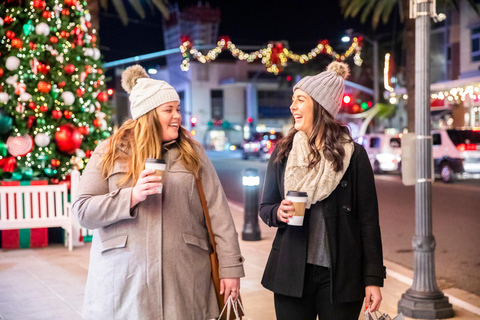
pixel 150 250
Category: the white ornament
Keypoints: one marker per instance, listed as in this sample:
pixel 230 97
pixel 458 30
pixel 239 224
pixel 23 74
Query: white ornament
pixel 1 22
pixel 12 80
pixel 4 97
pixel 59 58
pixel 20 108
pixel 88 52
pixel 82 24
pixel 80 153
pixel 54 52
pixel 42 140
pixel 12 63
pixel 68 98
pixel 25 96
pixel 42 28
pixel 96 53
pixel 91 109
pixel 83 75
pixel 100 115
pixel 88 16
pixel 104 125
pixel 20 88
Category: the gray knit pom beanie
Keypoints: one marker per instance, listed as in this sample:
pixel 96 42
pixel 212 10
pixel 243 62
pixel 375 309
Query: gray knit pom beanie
pixel 145 94
pixel 327 87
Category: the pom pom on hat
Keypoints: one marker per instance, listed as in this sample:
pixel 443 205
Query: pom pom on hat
pixel 131 75
pixel 340 68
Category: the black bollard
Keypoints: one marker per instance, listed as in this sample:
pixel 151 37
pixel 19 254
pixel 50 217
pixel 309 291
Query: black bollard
pixel 251 184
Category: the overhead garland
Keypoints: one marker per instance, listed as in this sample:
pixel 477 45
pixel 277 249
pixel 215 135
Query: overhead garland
pixel 274 56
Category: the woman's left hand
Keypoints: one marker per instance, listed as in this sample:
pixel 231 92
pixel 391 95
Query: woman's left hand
pixel 230 286
pixel 373 298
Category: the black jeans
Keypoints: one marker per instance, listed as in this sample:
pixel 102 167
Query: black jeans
pixel 315 300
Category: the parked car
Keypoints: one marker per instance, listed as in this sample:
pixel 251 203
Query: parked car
pixel 384 151
pixel 456 152
pixel 261 145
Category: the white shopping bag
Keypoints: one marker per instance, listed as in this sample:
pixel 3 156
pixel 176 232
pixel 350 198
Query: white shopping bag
pixel 382 316
pixel 233 306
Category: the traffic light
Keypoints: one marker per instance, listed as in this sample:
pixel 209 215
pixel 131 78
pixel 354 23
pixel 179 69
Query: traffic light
pixel 347 99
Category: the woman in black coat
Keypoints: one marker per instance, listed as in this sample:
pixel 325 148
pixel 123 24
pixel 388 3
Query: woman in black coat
pixel 327 266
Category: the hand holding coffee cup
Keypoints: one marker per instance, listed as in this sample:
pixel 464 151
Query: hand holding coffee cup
pixel 149 182
pixel 299 203
pixel 284 211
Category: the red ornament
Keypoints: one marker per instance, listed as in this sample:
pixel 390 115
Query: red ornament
pixel 68 138
pixel 44 87
pixel 32 45
pixel 99 71
pixel 43 108
pixel 10 34
pixel 72 46
pixel 94 39
pixel 68 183
pixel 97 123
pixel 8 20
pixel 65 12
pixel 31 120
pixel 17 43
pixel 46 14
pixel 84 130
pixel 80 92
pixel 56 114
pixel 55 162
pixel 88 69
pixel 70 3
pixel 39 4
pixel 68 114
pixel 226 40
pixel 8 164
pixel 88 24
pixel 32 105
pixel 102 96
pixel 61 84
pixel 88 153
pixel 53 181
pixel 53 39
pixel 69 68
pixel 1 72
pixel 43 68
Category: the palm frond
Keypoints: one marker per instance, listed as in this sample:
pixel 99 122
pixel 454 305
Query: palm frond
pixel 162 6
pixel 368 9
pixel 353 7
pixel 118 4
pixel 473 5
pixel 137 6
pixel 388 10
pixel 377 12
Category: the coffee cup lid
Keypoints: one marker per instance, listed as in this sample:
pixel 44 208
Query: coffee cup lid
pixel 150 160
pixel 296 193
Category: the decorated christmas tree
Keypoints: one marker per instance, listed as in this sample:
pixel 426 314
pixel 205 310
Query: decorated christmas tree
pixel 53 99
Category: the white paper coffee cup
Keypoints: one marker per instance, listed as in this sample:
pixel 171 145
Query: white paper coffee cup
pixel 159 165
pixel 299 202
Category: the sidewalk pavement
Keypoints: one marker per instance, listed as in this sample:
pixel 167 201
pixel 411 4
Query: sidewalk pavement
pixel 48 283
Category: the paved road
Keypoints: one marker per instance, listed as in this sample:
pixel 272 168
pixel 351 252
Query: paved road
pixel 456 221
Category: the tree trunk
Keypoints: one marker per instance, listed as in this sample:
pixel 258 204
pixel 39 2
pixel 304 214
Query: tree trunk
pixel 94 9
pixel 408 43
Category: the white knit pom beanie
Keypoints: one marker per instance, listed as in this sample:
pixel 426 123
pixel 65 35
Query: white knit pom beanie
pixel 145 94
pixel 327 87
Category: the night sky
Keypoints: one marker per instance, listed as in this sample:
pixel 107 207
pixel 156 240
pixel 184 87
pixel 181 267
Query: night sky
pixel 302 23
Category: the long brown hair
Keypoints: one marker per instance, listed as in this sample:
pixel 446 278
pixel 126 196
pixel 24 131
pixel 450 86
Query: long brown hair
pixel 332 138
pixel 143 137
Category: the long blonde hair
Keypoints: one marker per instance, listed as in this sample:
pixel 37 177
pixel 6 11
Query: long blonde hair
pixel 143 137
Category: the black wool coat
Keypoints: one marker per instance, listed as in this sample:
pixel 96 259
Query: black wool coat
pixel 353 233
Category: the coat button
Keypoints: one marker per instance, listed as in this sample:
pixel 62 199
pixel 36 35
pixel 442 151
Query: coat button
pixel 347 208
pixel 240 260
pixel 268 221
pixel 344 184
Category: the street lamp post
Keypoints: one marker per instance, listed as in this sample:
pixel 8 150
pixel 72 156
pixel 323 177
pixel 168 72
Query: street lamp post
pixel 251 184
pixel 374 44
pixel 424 299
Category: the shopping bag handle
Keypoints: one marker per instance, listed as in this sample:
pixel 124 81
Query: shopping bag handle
pixel 232 305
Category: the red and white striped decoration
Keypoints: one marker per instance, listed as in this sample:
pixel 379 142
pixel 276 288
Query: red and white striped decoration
pixel 19 146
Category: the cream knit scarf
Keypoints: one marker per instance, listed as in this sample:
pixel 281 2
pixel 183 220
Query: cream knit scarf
pixel 318 182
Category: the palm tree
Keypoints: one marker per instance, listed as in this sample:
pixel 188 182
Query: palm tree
pixel 95 5
pixel 382 10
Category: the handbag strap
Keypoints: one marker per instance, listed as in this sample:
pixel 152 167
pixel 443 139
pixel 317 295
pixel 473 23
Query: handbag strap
pixel 208 222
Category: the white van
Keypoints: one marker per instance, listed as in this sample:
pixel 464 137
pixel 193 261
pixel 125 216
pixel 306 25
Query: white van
pixel 384 151
pixel 456 153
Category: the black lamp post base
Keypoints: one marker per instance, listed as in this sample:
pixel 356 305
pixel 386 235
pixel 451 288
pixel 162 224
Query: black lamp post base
pixel 250 233
pixel 436 308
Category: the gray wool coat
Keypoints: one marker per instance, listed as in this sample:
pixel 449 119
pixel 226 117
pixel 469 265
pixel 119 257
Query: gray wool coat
pixel 152 262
